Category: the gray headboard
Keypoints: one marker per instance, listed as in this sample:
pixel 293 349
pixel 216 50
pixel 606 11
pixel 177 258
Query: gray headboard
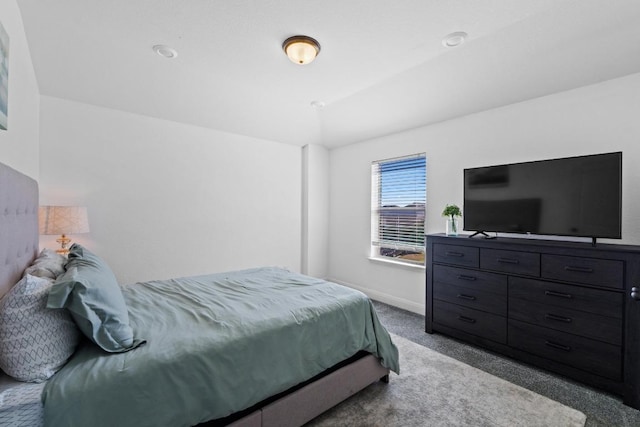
pixel 18 225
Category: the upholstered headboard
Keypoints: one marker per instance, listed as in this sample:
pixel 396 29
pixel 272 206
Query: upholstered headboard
pixel 18 225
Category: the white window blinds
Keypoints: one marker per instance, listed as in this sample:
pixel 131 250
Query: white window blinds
pixel 398 207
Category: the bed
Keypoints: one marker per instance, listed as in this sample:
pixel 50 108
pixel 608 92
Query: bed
pixel 258 347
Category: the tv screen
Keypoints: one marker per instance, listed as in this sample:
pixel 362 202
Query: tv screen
pixel 574 196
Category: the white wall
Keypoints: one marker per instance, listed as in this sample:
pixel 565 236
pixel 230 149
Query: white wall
pixel 19 143
pixel 315 210
pixel 594 119
pixel 167 199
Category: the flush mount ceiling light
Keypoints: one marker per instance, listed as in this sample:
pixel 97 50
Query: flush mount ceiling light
pixel 301 49
pixel 165 51
pixel 454 39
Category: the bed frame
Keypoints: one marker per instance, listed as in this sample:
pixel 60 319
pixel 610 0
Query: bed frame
pixel 306 401
pixel 19 246
pixel 18 225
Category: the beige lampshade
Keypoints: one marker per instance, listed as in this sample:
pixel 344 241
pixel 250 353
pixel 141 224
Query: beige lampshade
pixel 63 220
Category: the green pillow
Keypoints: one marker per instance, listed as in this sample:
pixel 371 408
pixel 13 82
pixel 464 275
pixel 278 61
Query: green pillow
pixel 89 291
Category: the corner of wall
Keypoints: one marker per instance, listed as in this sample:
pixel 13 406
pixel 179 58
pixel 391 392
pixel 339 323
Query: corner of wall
pixel 315 210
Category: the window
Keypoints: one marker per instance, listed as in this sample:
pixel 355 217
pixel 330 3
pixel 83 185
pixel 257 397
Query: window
pixel 399 192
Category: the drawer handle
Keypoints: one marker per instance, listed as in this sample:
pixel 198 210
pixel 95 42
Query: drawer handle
pixel 558 346
pixel 558 318
pixel 579 269
pixel 508 261
pixel 465 277
pixel 557 294
pixel 456 254
pixel 467 297
pixel 467 319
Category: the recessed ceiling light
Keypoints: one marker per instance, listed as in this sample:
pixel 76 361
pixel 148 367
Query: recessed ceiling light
pixel 165 51
pixel 454 39
pixel 318 104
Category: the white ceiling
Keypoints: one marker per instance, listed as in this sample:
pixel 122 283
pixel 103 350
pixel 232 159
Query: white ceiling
pixel 382 68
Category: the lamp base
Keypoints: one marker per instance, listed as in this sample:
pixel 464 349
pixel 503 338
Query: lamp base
pixel 64 242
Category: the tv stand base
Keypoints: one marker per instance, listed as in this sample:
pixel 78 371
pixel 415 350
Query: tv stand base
pixel 486 236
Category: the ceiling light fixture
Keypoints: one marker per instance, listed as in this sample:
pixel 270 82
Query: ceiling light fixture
pixel 165 51
pixel 454 39
pixel 301 49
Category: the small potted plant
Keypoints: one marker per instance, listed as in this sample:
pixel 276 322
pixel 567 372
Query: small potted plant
pixel 451 212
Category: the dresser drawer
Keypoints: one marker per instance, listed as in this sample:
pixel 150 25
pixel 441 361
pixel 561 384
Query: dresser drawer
pixel 592 271
pixel 510 262
pixel 479 323
pixel 596 301
pixel 456 255
pixel 471 288
pixel 588 325
pixel 593 356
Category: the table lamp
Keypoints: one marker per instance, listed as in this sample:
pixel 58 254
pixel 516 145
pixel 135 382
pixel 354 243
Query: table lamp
pixel 63 220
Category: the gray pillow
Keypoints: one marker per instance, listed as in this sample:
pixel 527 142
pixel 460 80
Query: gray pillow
pixel 89 290
pixel 48 264
pixel 35 341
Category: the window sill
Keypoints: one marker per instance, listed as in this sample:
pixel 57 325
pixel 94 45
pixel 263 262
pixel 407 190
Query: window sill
pixel 398 263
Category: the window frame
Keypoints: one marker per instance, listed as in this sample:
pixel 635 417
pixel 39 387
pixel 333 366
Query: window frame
pixel 405 204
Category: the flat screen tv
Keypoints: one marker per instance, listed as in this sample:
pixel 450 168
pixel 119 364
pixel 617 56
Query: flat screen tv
pixel 574 196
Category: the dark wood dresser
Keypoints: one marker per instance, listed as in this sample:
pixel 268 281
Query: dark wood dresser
pixel 568 307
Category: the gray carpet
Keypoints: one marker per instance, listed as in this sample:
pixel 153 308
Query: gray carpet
pixel 436 390
pixel 602 409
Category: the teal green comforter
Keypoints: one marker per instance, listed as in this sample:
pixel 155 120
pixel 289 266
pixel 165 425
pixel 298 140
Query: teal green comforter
pixel 216 344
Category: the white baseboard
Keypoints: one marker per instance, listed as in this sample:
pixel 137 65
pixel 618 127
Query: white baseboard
pixel 386 298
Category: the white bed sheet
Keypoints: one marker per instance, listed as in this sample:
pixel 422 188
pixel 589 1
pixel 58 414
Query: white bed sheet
pixel 20 403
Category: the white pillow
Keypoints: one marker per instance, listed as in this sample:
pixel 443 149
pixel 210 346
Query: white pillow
pixel 35 341
pixel 48 264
